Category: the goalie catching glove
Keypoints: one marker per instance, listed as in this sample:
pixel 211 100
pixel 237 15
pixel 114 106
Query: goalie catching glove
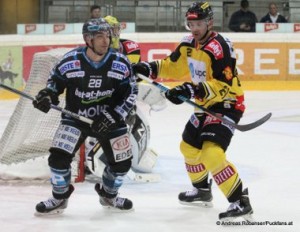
pixel 108 121
pixel 44 99
pixel 186 90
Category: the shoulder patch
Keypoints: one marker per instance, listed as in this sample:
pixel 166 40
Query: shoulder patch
pixel 71 53
pixel 70 65
pixel 121 67
pixel 130 46
pixel 215 48
pixel 187 39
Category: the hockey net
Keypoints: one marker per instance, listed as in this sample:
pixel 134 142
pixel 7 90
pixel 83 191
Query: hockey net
pixel 28 135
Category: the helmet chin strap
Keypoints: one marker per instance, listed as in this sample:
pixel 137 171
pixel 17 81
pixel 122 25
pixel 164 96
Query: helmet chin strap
pixel 205 33
pixel 93 49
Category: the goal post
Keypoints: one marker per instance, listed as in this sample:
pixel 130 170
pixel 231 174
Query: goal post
pixel 28 135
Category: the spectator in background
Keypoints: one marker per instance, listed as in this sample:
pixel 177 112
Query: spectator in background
pixel 95 11
pixel 243 20
pixel 273 16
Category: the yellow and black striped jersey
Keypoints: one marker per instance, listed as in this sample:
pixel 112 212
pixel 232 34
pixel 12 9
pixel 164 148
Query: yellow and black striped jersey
pixel 211 66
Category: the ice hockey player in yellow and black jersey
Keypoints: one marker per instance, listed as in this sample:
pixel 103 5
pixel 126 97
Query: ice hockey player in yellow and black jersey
pixel 209 59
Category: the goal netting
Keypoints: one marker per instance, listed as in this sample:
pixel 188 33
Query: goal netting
pixel 27 137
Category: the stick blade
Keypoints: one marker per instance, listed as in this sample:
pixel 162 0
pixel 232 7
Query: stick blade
pixel 257 123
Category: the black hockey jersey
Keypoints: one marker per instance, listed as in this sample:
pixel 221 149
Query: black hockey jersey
pixel 92 86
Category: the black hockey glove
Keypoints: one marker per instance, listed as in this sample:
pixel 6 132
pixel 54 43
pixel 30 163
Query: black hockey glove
pixel 146 69
pixel 186 90
pixel 108 121
pixel 44 99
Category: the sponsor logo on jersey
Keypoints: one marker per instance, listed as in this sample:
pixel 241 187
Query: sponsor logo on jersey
pixel 119 66
pixel 215 48
pixel 92 95
pixel 115 75
pixel 121 147
pixel 194 120
pixel 121 143
pixel 231 128
pixel 71 65
pixel 91 111
pixel 130 46
pixel 194 168
pixel 75 74
pixel 66 138
pixel 224 175
pixel 123 155
pixel 271 26
pixel 197 70
pixel 211 120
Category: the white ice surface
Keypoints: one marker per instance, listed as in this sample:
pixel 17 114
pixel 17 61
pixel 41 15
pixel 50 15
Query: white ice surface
pixel 267 159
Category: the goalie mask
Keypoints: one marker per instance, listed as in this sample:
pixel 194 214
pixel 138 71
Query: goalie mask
pixel 116 31
pixel 115 24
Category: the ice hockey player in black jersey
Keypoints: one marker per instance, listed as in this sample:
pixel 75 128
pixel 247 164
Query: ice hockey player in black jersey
pixel 210 61
pixel 144 158
pixel 99 85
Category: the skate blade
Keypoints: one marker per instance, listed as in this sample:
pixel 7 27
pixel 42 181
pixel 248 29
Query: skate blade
pixel 116 210
pixel 51 213
pixel 203 204
pixel 247 217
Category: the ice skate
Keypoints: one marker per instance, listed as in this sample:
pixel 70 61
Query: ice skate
pixel 53 206
pixel 240 208
pixel 197 197
pixel 113 203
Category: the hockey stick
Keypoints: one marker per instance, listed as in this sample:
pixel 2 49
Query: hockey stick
pixel 242 128
pixel 58 108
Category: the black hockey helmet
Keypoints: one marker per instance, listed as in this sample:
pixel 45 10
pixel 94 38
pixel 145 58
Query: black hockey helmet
pixel 199 11
pixel 92 26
